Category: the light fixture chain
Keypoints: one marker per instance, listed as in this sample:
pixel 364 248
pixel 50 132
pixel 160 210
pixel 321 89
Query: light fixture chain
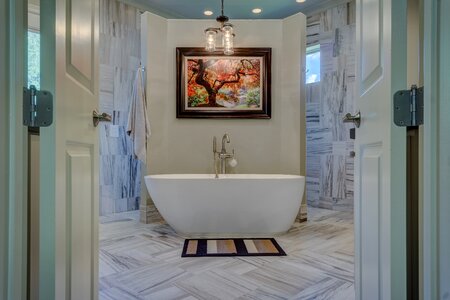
pixel 225 29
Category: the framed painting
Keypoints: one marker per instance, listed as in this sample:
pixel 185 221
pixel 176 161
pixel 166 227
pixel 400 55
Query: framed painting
pixel 214 85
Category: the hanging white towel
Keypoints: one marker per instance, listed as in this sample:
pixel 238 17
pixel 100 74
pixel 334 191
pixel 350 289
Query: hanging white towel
pixel 138 124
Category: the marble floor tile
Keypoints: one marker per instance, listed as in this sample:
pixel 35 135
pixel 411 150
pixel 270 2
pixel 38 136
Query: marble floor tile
pixel 239 267
pixel 329 265
pixel 143 261
pixel 283 279
pixel 217 285
pixel 116 294
pixel 111 263
pixel 329 288
pixel 171 292
pixel 262 294
pixel 195 266
pixel 145 280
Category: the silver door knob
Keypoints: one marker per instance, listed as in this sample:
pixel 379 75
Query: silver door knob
pixel 355 119
pixel 97 118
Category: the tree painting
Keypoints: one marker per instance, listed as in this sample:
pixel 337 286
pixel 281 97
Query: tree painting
pixel 217 82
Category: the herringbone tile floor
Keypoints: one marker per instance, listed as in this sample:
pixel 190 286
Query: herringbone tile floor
pixel 139 261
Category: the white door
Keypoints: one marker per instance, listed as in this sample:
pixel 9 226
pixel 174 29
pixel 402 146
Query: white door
pixel 380 146
pixel 69 151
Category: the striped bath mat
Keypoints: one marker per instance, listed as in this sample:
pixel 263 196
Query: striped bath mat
pixel 231 247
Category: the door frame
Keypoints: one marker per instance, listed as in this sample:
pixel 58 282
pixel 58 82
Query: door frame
pixel 47 136
pixel 13 145
pixel 13 151
pixel 436 208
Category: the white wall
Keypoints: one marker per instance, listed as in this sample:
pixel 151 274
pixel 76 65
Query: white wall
pixel 262 146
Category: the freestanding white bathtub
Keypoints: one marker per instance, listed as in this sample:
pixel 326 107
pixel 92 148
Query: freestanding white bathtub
pixel 233 205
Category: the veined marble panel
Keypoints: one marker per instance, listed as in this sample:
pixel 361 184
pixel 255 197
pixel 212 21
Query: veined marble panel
pixel 351 12
pixel 313 166
pixel 120 117
pixel 349 102
pixel 106 103
pixel 313 115
pixel 106 175
pixel 107 83
pixel 329 181
pixel 327 60
pixel 333 18
pixel 313 30
pixel 104 52
pixel 123 87
pixel 339 177
pixel 313 92
pixel 348 45
pixel 313 190
pixel 326 176
pixel 106 201
pixel 319 141
pixel 119 57
pixel 125 180
pixel 349 176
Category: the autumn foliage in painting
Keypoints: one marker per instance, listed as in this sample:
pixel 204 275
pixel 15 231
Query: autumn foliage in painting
pixel 224 82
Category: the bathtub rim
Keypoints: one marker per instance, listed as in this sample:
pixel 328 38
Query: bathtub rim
pixel 187 176
pixel 227 235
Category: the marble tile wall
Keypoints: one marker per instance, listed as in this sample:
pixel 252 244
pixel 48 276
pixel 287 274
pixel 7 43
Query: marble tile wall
pixel 119 59
pixel 329 174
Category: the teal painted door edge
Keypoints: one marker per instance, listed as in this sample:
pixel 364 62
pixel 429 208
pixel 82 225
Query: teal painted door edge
pixel 4 149
pixel 47 213
pixel 399 69
pixel 13 152
pixel 430 156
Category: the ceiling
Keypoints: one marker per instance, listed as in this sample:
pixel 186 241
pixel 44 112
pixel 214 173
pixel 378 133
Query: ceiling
pixel 235 9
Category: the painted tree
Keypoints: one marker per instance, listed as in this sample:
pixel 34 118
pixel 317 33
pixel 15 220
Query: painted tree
pixel 211 75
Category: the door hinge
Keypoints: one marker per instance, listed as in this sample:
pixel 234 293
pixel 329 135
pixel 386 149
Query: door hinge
pixel 37 107
pixel 408 107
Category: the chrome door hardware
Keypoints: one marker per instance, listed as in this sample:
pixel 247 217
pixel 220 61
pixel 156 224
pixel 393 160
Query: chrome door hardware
pixel 355 119
pixel 97 118
pixel 37 107
pixel 408 107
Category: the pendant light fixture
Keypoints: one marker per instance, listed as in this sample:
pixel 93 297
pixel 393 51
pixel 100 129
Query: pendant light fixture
pixel 226 30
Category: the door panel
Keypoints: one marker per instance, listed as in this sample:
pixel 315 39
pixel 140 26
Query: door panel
pixel 371 173
pixel 80 240
pixel 70 148
pixel 80 30
pixel 380 163
pixel 371 43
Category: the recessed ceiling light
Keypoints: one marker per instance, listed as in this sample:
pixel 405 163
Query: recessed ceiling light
pixel 300 1
pixel 208 13
pixel 257 10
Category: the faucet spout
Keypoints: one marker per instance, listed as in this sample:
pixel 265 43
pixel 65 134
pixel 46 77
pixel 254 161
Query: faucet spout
pixel 221 156
pixel 225 138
